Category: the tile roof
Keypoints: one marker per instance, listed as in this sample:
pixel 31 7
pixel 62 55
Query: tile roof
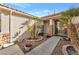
pixel 52 16
pixel 16 10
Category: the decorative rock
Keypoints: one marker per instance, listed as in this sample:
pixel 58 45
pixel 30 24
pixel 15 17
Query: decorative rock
pixel 4 38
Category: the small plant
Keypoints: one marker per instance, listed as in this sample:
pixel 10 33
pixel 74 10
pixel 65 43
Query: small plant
pixel 31 30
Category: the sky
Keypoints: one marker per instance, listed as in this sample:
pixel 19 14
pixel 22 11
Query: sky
pixel 42 9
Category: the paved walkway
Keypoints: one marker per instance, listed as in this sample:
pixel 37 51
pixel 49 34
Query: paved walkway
pixel 12 50
pixel 45 48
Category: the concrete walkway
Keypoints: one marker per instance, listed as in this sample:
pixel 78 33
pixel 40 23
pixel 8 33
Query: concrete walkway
pixel 12 50
pixel 46 48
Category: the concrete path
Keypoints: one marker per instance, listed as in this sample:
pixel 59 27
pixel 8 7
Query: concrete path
pixel 46 48
pixel 12 50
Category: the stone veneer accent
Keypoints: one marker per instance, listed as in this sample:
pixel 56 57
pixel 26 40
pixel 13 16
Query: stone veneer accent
pixel 4 38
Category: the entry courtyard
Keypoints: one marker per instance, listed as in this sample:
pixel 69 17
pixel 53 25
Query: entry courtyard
pixel 36 33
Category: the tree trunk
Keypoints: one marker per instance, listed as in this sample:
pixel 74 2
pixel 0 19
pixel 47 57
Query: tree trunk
pixel 72 34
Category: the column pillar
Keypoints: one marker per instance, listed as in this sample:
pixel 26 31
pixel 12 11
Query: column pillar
pixel 53 25
pixel 50 33
pixel 10 18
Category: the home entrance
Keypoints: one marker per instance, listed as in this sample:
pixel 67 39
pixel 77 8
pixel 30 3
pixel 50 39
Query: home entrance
pixel 59 29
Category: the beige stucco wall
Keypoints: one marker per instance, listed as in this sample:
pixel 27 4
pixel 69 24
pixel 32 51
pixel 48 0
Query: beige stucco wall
pixel 5 22
pixel 25 35
pixel 16 23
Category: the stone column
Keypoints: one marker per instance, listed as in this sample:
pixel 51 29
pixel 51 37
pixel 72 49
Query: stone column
pixel 46 26
pixel 53 27
pixel 50 28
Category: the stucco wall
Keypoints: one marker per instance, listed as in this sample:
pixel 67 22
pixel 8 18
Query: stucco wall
pixel 25 35
pixel 5 22
pixel 16 23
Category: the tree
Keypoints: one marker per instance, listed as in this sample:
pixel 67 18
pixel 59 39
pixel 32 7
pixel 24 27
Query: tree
pixel 33 29
pixel 66 18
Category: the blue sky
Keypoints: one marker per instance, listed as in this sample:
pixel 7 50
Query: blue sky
pixel 42 9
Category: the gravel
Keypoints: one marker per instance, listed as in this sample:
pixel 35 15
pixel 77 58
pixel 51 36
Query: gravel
pixel 58 48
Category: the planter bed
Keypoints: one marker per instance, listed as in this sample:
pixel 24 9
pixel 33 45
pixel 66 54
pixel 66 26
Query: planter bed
pixel 32 43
